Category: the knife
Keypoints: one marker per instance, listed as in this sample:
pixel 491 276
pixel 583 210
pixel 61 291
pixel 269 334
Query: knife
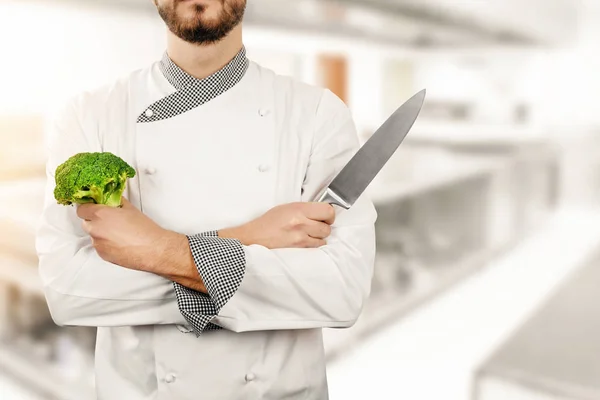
pixel 358 173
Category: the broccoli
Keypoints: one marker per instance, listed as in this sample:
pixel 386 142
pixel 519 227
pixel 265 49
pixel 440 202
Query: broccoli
pixel 92 178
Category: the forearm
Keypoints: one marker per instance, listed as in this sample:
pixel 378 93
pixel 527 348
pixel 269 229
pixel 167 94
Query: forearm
pixel 304 288
pixel 205 269
pixel 177 263
pixel 254 284
pixel 77 310
pixel 84 290
pixel 291 288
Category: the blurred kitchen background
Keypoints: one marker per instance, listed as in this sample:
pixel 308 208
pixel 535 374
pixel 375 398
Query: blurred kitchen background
pixel 488 263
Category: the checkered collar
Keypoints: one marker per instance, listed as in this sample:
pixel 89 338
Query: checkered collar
pixel 181 79
pixel 193 92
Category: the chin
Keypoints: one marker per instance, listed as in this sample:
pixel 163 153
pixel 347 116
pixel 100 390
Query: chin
pixel 203 21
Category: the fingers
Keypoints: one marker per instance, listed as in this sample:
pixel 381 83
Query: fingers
pixel 319 212
pixel 87 226
pixel 307 242
pixel 317 229
pixel 314 243
pixel 88 211
pixel 330 217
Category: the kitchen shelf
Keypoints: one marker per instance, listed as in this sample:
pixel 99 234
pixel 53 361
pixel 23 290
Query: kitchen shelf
pixel 386 188
pixel 460 134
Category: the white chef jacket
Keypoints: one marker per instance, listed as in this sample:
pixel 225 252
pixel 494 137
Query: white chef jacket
pixel 265 141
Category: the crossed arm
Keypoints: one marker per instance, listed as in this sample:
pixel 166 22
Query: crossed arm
pixel 208 268
pixel 317 274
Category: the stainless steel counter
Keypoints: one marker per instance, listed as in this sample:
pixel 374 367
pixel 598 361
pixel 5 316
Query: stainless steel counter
pixel 556 354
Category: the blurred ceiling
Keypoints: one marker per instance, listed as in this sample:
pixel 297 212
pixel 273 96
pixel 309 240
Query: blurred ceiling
pixel 414 23
pixel 380 20
pixel 544 21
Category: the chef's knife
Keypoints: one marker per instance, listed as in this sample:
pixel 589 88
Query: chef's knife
pixel 358 173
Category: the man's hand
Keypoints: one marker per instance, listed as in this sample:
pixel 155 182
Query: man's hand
pixel 123 236
pixel 304 225
pixel 126 237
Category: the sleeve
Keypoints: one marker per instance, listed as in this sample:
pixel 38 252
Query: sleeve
pixel 81 288
pixel 221 264
pixel 325 287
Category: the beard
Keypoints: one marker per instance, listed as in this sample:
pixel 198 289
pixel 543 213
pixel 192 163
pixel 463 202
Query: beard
pixel 197 29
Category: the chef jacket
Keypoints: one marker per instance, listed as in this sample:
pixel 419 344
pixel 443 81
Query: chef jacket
pixel 209 154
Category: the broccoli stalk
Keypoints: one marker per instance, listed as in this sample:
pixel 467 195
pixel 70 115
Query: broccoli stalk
pixel 98 178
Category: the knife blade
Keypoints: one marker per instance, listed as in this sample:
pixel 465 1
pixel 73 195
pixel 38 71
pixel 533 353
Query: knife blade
pixel 357 174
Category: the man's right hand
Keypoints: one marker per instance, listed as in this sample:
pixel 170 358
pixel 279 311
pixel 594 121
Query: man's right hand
pixel 300 225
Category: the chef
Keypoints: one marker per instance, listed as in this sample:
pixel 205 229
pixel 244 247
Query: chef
pixel 216 277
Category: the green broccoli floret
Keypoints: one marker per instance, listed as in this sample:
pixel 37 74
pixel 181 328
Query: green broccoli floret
pixel 92 178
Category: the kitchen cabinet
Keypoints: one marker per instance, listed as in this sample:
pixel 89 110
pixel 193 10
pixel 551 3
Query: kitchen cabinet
pixel 526 192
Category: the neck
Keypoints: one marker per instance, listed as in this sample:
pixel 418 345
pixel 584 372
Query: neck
pixel 201 61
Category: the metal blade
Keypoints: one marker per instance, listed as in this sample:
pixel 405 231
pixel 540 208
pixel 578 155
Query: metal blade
pixel 356 176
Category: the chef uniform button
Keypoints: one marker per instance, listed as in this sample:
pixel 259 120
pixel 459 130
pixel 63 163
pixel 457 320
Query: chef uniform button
pixel 149 113
pixel 250 377
pixel 150 171
pixel 170 378
pixel 263 111
pixel 263 167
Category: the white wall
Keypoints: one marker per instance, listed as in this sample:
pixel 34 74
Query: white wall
pixel 53 51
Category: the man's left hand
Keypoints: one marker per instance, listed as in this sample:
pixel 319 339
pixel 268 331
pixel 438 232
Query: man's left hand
pixel 123 236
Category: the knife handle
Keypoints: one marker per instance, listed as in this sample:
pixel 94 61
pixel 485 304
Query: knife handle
pixel 329 196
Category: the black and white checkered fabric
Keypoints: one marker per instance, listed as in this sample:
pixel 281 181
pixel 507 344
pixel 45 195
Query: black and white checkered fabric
pixel 221 263
pixel 192 92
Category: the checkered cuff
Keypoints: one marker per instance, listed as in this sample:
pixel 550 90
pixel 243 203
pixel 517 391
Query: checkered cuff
pixel 221 263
